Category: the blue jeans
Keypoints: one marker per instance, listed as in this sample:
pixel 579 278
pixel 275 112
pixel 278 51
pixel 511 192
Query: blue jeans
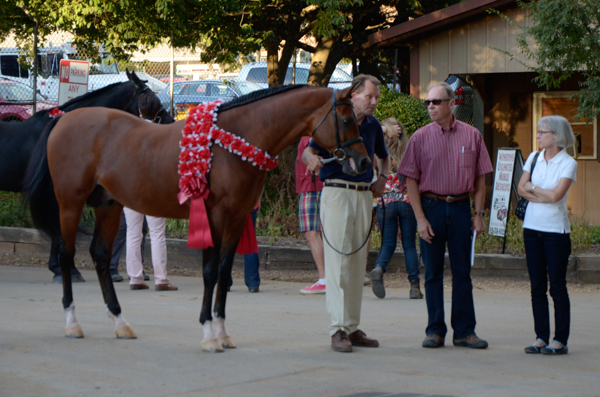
pixel 547 258
pixel 398 213
pixel 451 223
pixel 251 264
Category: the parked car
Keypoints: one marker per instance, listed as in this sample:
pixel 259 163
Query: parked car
pixel 166 78
pixel 256 72
pixel 188 94
pixel 16 101
pixel 463 98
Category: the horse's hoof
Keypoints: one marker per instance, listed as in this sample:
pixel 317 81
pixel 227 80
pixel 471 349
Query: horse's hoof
pixel 74 331
pixel 125 332
pixel 212 346
pixel 226 342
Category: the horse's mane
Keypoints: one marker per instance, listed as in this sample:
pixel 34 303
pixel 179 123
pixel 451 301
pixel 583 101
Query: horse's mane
pixel 98 92
pixel 256 95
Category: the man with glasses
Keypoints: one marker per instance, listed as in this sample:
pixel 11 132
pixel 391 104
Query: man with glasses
pixel 444 162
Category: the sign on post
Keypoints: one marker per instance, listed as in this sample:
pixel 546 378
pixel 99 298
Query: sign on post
pixel 73 79
pixel 509 168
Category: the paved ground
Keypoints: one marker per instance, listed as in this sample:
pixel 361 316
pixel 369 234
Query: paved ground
pixel 283 345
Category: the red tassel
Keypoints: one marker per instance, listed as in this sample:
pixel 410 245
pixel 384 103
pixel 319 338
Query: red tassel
pixel 248 244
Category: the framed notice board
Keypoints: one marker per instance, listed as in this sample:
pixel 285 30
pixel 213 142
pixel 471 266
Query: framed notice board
pixel 509 169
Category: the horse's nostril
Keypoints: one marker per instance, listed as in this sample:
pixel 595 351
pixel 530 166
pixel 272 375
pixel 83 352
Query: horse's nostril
pixel 364 164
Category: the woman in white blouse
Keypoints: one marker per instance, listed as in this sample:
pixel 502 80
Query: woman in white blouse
pixel 546 231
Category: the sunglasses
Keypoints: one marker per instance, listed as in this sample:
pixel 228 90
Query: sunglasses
pixel 435 101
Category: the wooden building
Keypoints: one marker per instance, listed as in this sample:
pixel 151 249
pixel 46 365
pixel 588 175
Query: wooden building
pixel 464 39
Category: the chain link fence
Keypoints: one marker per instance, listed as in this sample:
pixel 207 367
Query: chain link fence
pixel 165 71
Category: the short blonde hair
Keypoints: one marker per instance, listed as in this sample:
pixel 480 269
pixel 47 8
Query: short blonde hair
pixel 563 132
pixel 359 81
pixel 446 87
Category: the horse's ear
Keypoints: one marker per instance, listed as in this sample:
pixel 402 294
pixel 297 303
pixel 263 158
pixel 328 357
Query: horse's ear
pixel 347 92
pixel 135 79
pixel 128 74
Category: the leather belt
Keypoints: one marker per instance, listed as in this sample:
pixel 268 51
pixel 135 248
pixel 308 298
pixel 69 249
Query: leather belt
pixel 447 198
pixel 350 186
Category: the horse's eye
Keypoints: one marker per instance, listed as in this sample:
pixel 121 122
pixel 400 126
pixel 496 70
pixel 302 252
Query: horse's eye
pixel 347 121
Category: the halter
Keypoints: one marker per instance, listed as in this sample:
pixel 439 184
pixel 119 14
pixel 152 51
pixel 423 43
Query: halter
pixel 340 145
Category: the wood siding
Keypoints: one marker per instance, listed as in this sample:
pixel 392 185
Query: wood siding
pixel 474 48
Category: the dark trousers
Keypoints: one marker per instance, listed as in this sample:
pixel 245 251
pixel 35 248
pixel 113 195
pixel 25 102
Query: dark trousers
pixel 547 259
pixel 451 223
pixel 120 241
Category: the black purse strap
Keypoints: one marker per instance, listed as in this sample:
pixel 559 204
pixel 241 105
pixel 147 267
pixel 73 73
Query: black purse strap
pixel 533 165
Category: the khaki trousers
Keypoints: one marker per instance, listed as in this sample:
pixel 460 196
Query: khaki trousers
pixel 346 219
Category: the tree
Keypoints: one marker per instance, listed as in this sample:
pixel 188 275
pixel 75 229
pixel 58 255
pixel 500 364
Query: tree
pixel 564 38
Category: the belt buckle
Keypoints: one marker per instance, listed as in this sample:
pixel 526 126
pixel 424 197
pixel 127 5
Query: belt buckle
pixel 449 199
pixel 356 188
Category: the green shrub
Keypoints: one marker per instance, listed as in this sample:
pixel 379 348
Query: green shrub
pixel 409 110
pixel 13 212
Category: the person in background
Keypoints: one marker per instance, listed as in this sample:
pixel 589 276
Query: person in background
pixel 118 246
pixel 396 211
pixel 444 163
pixel 309 186
pixel 346 208
pixel 149 106
pixel 546 231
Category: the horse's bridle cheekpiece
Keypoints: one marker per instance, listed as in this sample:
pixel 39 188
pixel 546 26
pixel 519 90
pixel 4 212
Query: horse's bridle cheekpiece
pixel 340 145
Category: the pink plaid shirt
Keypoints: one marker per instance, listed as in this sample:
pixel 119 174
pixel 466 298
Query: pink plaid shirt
pixel 446 162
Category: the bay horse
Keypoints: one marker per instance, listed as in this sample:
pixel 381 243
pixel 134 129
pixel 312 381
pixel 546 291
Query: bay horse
pixel 111 159
pixel 17 140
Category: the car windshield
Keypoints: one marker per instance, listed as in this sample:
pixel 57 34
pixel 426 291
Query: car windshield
pixel 107 65
pixel 17 92
pixel 339 76
pixel 245 87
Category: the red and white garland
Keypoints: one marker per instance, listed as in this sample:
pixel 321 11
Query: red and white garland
pixel 198 135
pixel 55 112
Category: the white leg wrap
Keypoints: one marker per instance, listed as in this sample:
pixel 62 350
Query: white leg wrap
pixel 119 320
pixel 70 313
pixel 220 327
pixel 207 328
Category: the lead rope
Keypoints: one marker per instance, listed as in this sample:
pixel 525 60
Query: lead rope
pixel 323 230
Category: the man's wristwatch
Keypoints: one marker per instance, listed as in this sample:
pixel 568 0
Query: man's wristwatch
pixel 481 214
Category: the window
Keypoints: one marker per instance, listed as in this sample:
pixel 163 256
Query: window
pixel 257 75
pixel 558 103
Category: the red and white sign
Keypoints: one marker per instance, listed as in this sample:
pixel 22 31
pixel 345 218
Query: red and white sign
pixel 73 79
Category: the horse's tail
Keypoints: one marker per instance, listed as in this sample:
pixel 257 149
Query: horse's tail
pixel 39 189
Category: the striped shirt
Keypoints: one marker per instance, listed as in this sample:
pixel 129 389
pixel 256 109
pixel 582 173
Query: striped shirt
pixel 446 162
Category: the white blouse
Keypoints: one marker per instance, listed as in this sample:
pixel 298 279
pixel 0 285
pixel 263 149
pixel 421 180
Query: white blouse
pixel 550 217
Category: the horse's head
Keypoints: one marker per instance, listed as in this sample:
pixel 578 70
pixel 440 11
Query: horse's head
pixel 343 141
pixel 163 116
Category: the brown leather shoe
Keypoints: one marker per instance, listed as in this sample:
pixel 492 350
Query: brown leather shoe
pixel 433 340
pixel 359 338
pixel 340 342
pixel 138 286
pixel 165 287
pixel 472 341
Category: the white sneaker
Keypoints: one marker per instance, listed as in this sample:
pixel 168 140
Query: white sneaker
pixel 316 288
pixel 367 279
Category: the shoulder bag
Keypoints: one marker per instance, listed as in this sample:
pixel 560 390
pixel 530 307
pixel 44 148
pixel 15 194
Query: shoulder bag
pixel 522 205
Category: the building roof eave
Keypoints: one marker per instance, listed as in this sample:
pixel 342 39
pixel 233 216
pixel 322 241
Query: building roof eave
pixel 429 24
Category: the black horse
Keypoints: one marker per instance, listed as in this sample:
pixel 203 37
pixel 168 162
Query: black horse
pixel 17 140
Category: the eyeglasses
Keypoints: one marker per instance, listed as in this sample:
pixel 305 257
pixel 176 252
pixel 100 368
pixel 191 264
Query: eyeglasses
pixel 542 132
pixel 436 102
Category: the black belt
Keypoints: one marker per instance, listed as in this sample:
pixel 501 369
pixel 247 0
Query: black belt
pixel 350 186
pixel 447 198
